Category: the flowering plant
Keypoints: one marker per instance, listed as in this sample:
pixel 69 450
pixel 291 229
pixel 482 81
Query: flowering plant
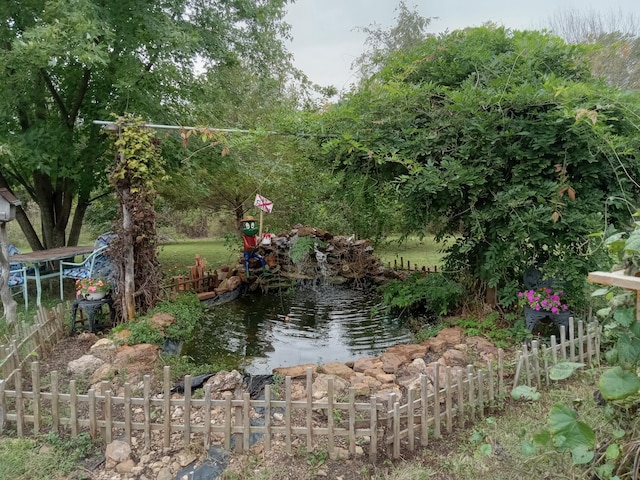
pixel 91 285
pixel 544 299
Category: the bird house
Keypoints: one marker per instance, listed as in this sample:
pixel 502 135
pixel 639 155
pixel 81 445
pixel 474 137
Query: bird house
pixel 8 204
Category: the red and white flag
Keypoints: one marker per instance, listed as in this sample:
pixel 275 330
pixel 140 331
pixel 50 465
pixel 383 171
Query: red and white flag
pixel 263 204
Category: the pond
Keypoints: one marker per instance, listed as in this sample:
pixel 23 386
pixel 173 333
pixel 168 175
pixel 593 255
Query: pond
pixel 321 325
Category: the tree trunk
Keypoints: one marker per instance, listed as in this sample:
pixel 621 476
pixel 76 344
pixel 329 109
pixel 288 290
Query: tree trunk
pixel 76 224
pixel 9 304
pixel 55 208
pixel 128 300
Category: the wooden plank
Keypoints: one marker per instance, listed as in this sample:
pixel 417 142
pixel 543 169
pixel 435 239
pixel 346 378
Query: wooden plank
pixel 373 426
pixel 73 407
pixel 127 413
pixel 187 410
pixel 35 383
pixel 309 409
pixel 460 387
pixel 207 416
pixel 424 428
pixel 448 400
pixel 352 421
pixel 410 419
pixel 227 420
pixel 166 397
pixel 108 417
pixel 55 402
pixel 246 420
pixel 267 418
pixel 146 407
pixel 330 426
pixel 436 399
pixel 93 427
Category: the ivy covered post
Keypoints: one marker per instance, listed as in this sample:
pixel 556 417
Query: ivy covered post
pixel 8 204
pixel 138 165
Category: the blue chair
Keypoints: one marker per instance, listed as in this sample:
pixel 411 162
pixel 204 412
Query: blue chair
pixel 18 277
pixel 96 264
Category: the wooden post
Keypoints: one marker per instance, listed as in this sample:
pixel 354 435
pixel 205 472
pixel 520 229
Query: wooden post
pixel 127 412
pixel 187 410
pixel 35 381
pixel 166 400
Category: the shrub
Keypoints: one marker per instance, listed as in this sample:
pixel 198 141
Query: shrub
pixel 435 294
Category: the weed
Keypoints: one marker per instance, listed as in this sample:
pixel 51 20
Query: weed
pixel 317 458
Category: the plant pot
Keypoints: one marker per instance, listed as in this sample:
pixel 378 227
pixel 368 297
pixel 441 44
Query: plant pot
pixel 534 316
pixel 94 295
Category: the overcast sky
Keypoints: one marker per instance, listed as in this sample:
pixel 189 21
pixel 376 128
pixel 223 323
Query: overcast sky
pixel 325 39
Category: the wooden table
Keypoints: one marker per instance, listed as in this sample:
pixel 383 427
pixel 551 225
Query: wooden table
pixel 41 258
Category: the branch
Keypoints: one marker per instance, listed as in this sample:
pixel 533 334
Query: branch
pixel 56 97
pixel 82 91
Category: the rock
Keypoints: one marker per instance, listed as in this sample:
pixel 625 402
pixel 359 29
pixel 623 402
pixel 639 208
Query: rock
pixel 117 452
pixel 103 372
pixel 126 466
pixel 338 369
pixel 122 337
pixel 408 352
pixel 161 320
pixel 225 381
pixel 486 349
pixel 298 371
pixel 391 362
pixel 104 349
pixel 320 386
pixel 383 394
pixel 363 364
pixel 164 474
pixel 186 458
pixel 454 357
pixel 85 365
pixel 339 454
pixel 145 353
pixel 446 338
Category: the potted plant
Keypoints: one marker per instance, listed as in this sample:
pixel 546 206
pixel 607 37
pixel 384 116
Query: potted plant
pixel 92 288
pixel 544 302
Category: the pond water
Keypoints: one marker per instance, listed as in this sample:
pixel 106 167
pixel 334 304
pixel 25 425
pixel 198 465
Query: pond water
pixel 282 329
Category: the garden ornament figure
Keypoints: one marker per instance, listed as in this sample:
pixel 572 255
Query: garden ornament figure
pixel 251 241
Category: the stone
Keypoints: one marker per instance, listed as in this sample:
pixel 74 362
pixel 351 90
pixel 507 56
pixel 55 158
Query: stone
pixel 339 454
pixel 186 458
pixel 486 349
pixel 121 337
pixel 453 357
pixel 298 371
pixel 117 452
pixel 104 349
pixel 384 394
pixel 164 474
pixel 446 338
pixel 408 352
pixel 144 353
pixel 363 364
pixel 225 381
pixel 103 372
pixel 338 369
pixel 391 362
pixel 126 466
pixel 320 385
pixel 85 365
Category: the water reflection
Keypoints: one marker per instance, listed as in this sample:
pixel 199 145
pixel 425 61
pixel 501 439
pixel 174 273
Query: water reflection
pixel 285 329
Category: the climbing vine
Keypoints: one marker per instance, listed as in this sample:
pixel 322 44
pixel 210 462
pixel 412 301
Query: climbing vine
pixel 137 167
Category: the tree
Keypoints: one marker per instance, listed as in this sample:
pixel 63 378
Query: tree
pixel 501 142
pixel 65 64
pixel 614 38
pixel 409 30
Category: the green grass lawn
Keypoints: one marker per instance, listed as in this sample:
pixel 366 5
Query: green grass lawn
pixel 176 257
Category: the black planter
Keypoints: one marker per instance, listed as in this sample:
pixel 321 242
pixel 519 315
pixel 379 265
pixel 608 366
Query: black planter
pixel 534 316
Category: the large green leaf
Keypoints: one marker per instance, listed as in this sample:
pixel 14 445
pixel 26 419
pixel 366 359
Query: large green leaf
pixel 568 430
pixel 524 392
pixel 564 370
pixel 616 384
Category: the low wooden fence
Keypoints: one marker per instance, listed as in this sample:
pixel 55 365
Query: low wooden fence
pixel 33 341
pixel 343 422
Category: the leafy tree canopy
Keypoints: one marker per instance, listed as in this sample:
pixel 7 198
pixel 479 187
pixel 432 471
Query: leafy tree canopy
pixel 500 140
pixel 66 63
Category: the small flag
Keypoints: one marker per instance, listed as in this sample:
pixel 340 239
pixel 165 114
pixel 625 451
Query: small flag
pixel 263 204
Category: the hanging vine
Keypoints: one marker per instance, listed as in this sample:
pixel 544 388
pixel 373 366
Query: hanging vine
pixel 137 166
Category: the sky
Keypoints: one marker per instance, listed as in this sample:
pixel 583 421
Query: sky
pixel 326 40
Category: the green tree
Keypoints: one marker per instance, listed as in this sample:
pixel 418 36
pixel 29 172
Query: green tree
pixel 501 140
pixel 66 63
